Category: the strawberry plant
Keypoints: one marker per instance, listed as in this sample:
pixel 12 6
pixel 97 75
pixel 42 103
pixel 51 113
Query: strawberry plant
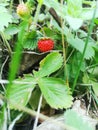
pixel 49 53
pixel 48 85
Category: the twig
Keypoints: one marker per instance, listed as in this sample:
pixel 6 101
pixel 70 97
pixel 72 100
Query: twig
pixel 41 116
pixel 2 71
pixel 55 16
pixel 3 66
pixel 6 42
pixel 90 98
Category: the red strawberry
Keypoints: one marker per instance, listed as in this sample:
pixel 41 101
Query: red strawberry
pixel 45 44
pixel 22 10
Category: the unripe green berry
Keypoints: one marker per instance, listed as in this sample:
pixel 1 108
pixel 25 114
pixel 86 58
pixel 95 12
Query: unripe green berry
pixel 23 10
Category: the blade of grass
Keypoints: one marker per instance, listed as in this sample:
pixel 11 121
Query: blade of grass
pixel 86 43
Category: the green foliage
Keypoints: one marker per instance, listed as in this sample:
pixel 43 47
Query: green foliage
pixel 76 121
pixel 91 83
pixel 74 64
pixel 20 92
pixel 34 100
pixel 79 45
pixel 60 9
pixel 40 2
pixel 51 33
pixel 50 64
pixel 30 41
pixel 6 18
pixel 11 30
pixel 3 118
pixel 95 88
pixel 75 52
pixel 75 23
pixel 74 8
pixel 55 92
pixel 73 12
pixel 88 13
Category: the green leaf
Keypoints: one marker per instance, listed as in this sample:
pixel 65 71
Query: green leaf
pixel 96 21
pixel 51 63
pixel 95 88
pixel 79 45
pixel 3 118
pixel 74 64
pixel 40 2
pixel 5 18
pixel 30 41
pixel 73 119
pixel 34 100
pixel 87 13
pixel 74 8
pixel 55 92
pixel 75 23
pixel 11 30
pixel 51 33
pixel 19 91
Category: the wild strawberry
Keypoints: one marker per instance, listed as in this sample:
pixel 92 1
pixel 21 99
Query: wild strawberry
pixel 23 10
pixel 45 44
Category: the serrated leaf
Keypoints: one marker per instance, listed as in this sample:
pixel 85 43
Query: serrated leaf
pixel 51 63
pixel 30 41
pixel 19 91
pixel 30 44
pixel 79 45
pixel 73 119
pixel 3 118
pixel 5 18
pixel 55 92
